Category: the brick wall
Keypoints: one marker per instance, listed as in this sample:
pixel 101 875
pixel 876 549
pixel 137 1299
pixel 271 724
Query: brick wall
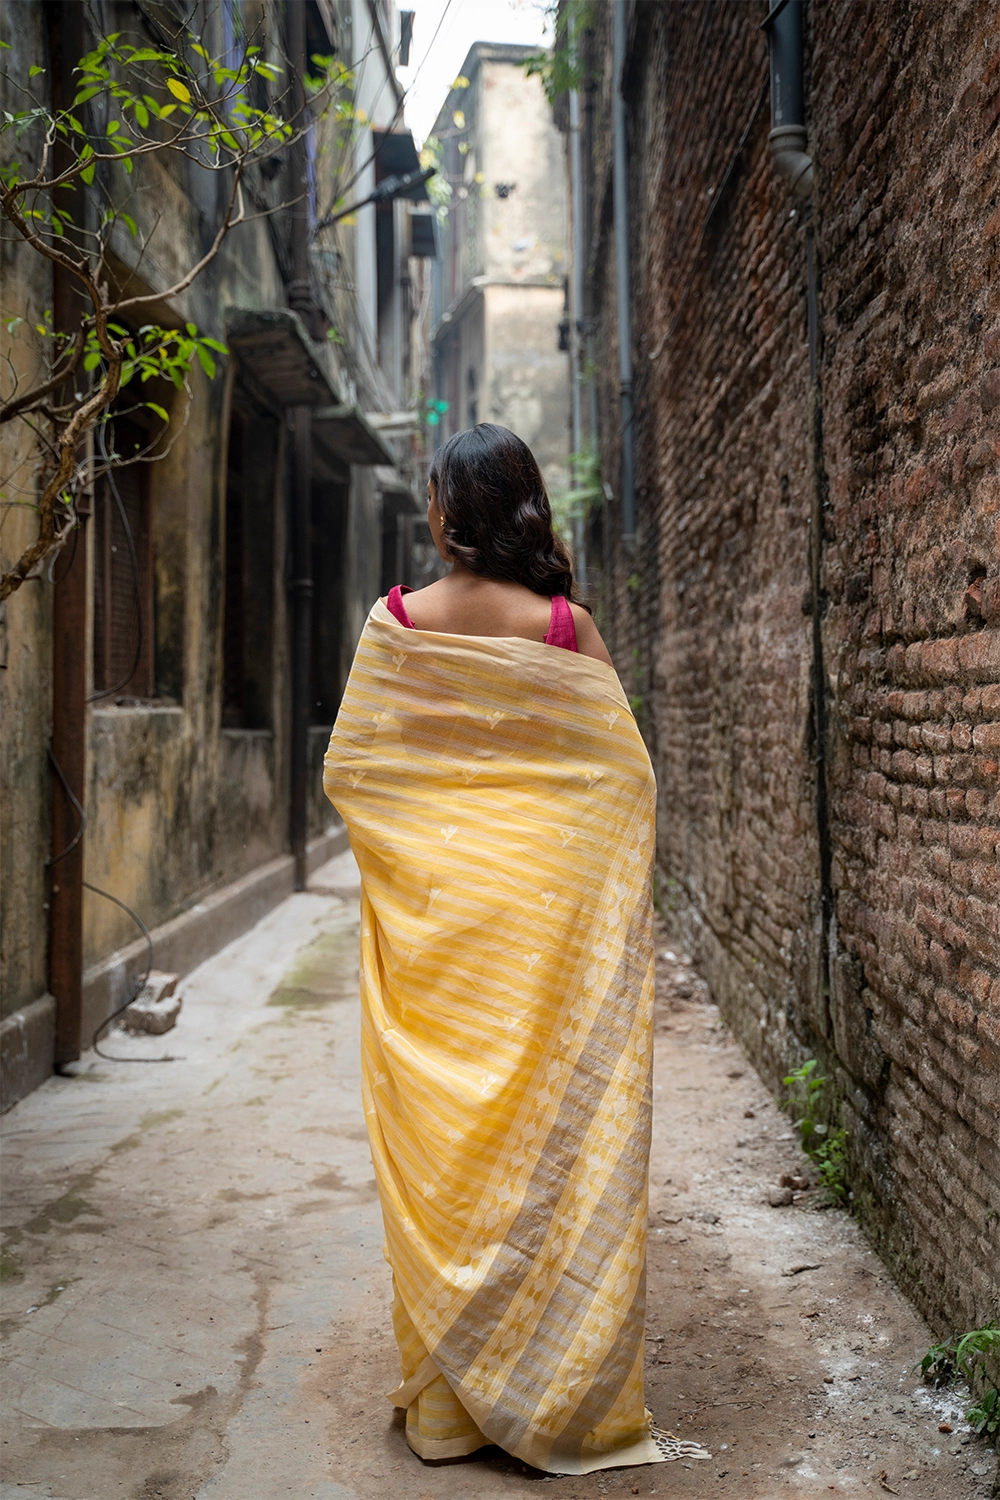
pixel 812 616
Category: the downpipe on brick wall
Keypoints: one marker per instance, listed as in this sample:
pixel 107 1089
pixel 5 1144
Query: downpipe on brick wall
pixel 788 131
pixel 624 308
pixel 795 167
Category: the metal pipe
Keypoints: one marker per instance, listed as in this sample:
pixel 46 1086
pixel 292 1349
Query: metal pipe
pixel 576 316
pixel 788 132
pixel 300 586
pixel 68 43
pixel 622 276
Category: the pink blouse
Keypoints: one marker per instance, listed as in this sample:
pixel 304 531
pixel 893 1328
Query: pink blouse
pixel 562 630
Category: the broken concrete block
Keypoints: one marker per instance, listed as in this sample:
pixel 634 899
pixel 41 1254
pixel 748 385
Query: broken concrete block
pixel 156 1007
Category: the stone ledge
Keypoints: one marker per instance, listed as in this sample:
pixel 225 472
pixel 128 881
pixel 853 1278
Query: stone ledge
pixel 181 944
pixel 27 1042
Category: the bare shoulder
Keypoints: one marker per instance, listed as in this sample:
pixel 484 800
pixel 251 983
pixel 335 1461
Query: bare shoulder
pixel 588 637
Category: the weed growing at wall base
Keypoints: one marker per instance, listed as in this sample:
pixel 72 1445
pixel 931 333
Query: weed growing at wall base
pixel 965 1355
pixel 828 1149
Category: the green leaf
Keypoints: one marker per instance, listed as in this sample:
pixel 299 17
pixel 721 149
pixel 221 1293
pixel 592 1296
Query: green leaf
pixel 141 114
pixel 86 94
pixel 114 127
pixel 34 71
pixel 206 361
pixel 214 344
pixel 167 111
pixel 192 329
pixel 129 223
pixel 87 175
pixel 92 360
pixel 158 411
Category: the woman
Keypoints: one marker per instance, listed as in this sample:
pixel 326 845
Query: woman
pixel 500 805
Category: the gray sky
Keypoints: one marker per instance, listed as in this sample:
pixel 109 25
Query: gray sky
pixel 430 74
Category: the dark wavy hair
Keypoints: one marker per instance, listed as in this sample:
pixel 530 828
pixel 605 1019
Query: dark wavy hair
pixel 497 517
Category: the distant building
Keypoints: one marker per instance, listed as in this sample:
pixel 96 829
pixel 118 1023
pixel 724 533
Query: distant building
pixel 499 285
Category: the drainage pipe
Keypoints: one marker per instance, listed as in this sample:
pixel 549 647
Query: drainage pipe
pixel 622 277
pixel 300 584
pixel 788 130
pixel 68 41
pixel 576 318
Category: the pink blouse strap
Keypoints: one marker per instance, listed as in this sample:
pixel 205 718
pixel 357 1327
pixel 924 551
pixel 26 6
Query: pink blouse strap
pixel 562 628
pixel 394 604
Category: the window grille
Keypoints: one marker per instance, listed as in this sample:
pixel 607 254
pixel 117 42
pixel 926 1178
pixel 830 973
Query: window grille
pixel 124 644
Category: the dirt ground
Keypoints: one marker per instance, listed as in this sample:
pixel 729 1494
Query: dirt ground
pixel 196 1307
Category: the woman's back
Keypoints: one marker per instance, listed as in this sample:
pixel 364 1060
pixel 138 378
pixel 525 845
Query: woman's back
pixel 464 604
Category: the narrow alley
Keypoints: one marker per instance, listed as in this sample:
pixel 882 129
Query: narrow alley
pixel 652 352
pixel 195 1272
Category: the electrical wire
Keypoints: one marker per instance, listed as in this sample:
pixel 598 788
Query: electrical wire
pixel 55 858
pixel 343 188
pixel 138 987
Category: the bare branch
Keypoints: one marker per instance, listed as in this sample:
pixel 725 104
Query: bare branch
pixel 30 399
pixel 228 223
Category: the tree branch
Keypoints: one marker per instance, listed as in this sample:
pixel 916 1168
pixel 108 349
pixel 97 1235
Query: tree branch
pixel 228 223
pixel 18 404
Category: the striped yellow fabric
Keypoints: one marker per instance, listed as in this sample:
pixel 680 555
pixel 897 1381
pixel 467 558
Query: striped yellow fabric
pixel 500 803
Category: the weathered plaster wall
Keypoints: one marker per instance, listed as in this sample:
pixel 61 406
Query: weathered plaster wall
pixel 25 618
pixel 177 806
pixel 518 146
pixel 527 388
pixel 499 359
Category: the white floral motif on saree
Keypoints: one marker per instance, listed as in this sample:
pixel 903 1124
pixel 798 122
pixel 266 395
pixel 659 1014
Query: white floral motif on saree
pixel 507 983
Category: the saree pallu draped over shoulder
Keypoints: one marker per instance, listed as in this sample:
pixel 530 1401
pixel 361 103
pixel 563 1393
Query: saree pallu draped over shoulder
pixel 500 803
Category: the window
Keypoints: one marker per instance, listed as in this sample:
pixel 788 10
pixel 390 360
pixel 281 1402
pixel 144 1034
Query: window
pixel 473 400
pixel 248 615
pixel 385 268
pixel 328 529
pixel 124 643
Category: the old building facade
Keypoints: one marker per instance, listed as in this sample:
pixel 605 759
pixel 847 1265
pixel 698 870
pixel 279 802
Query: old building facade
pixel 499 281
pixel 809 615
pixel 253 543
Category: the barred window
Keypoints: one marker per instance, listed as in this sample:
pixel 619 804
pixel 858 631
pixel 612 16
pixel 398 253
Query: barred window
pixel 124 644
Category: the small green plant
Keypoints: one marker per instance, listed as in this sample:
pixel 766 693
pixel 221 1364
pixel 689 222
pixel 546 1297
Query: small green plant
pixel 806 1091
pixel 964 1355
pixel 831 1161
pixel 561 68
pixel 984 1417
pixel 828 1149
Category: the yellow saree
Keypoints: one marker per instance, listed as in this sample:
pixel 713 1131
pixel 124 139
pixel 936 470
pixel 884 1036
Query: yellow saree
pixel 500 804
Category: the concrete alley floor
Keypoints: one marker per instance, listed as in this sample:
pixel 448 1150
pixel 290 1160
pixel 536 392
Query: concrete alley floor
pixel 193 1272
